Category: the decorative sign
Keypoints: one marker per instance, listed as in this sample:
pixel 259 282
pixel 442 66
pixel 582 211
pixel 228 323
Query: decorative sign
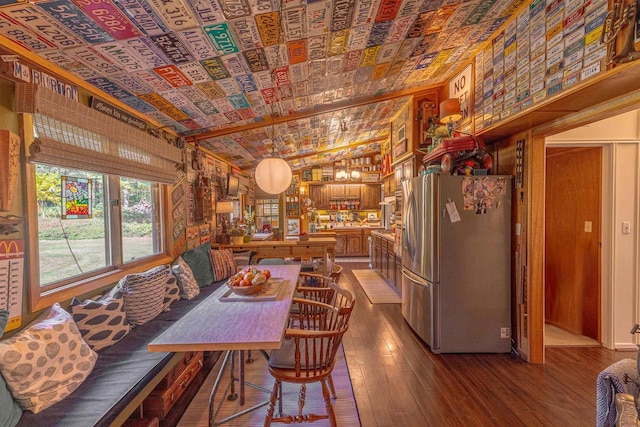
pixel 12 280
pixel 400 148
pixel 9 167
pixel 117 114
pixel 76 197
pixel 460 87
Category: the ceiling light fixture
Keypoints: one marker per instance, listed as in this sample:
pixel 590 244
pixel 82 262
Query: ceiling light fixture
pixel 348 173
pixel 273 174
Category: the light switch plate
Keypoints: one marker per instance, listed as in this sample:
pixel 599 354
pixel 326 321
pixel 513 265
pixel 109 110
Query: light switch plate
pixel 626 227
pixel 588 226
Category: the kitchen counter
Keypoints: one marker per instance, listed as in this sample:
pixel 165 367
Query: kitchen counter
pixel 389 235
pixel 351 227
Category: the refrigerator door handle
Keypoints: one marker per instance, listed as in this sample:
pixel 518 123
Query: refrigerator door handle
pixel 408 221
pixel 414 278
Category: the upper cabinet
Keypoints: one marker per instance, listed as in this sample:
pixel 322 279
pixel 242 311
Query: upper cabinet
pixel 370 197
pixel 320 195
pixel 344 191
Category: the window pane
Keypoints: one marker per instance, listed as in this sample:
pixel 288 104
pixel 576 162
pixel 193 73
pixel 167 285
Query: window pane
pixel 71 235
pixel 140 227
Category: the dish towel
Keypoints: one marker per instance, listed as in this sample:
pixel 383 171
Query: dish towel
pixel 610 382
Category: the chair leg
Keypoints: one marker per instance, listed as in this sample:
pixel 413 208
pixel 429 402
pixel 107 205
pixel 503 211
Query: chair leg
pixel 272 403
pixel 331 387
pixel 301 399
pixel 328 405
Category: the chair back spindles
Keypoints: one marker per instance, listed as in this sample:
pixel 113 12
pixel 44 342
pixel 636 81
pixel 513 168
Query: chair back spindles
pixel 310 346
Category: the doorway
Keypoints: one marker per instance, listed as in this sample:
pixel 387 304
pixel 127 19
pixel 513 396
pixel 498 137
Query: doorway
pixel 573 224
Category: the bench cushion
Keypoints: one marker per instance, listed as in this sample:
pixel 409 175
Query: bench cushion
pixel 120 374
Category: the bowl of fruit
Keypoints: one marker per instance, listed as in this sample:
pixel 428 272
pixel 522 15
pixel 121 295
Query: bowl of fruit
pixel 248 282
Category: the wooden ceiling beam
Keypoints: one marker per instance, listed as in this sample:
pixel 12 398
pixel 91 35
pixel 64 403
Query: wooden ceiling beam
pixel 331 150
pixel 343 105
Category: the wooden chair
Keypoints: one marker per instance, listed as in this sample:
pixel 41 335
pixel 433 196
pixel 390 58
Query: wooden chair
pixel 308 355
pixel 336 272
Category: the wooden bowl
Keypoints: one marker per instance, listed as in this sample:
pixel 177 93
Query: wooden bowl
pixel 247 290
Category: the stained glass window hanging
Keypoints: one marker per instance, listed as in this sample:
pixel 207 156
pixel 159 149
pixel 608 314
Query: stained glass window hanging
pixel 76 197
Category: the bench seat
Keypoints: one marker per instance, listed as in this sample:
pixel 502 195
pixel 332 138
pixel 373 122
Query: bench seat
pixel 124 373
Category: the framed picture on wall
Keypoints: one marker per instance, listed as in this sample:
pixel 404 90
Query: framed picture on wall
pixel 293 227
pixel 401 133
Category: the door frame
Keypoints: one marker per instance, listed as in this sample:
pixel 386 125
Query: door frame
pixel 607 211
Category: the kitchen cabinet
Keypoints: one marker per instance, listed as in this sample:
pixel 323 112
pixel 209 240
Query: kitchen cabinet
pixel 398 277
pixel 389 185
pixel 320 195
pixel 354 243
pixel 385 261
pixel 341 244
pixel 403 171
pixel 344 191
pixel 352 191
pixel 370 197
pixel 384 265
pixel 376 251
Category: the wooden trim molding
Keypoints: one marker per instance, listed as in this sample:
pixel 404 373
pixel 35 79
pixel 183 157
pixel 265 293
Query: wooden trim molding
pixel 535 181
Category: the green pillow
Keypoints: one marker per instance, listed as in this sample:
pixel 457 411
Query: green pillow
pixel 199 261
pixel 10 411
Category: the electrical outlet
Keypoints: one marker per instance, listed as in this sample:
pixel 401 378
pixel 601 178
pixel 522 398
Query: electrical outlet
pixel 505 333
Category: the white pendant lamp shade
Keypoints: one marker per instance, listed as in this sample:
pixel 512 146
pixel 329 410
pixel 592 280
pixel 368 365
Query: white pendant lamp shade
pixel 273 175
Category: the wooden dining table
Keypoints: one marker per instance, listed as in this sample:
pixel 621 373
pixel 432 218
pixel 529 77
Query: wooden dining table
pixel 224 322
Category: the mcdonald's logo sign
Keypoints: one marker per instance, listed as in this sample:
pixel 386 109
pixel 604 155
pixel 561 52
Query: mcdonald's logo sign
pixel 10 249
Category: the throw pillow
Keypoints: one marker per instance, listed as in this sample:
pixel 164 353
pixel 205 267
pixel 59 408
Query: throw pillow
pixel 103 321
pixel 144 294
pixel 223 264
pixel 200 263
pixel 242 259
pixel 47 361
pixel 10 411
pixel 188 286
pixel 172 291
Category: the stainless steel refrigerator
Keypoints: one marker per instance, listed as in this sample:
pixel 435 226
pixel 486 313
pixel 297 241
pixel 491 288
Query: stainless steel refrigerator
pixel 456 257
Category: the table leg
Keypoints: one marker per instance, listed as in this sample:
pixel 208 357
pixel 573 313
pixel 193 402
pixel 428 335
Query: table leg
pixel 232 395
pixel 241 374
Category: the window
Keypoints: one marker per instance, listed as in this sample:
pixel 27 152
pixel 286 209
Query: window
pixel 140 219
pixel 81 234
pixel 267 213
pixel 107 225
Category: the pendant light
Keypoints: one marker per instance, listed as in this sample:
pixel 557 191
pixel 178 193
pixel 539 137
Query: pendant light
pixel 273 175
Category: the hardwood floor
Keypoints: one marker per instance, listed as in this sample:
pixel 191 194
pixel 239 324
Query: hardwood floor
pixel 397 381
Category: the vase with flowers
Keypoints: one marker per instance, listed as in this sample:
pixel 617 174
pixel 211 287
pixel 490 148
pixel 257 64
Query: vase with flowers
pixel 249 219
pixel 237 235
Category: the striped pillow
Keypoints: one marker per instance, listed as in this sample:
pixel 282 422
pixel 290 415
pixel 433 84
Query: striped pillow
pixel 144 294
pixel 103 321
pixel 188 285
pixel 224 266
